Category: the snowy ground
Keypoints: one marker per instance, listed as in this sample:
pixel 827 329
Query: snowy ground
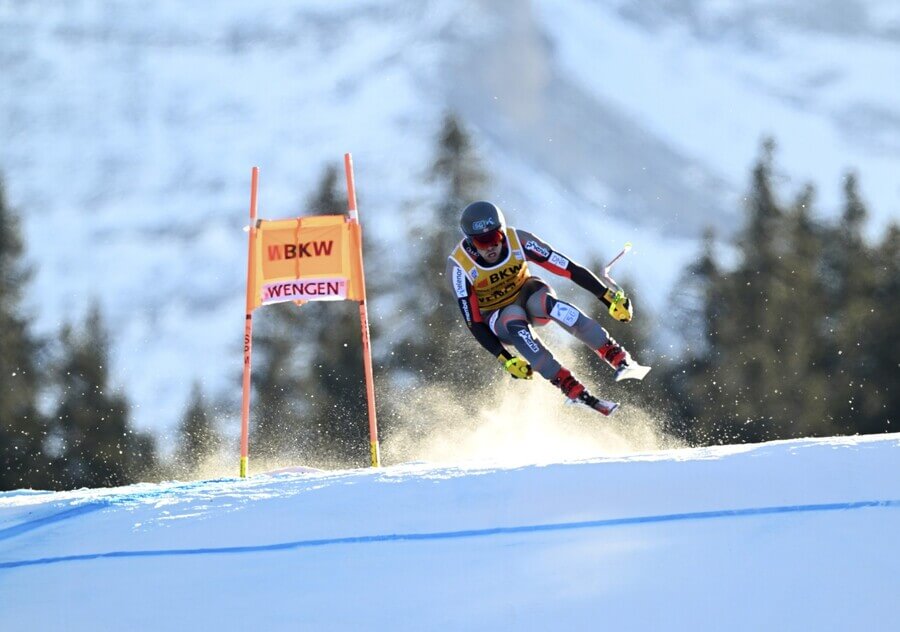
pixel 129 131
pixel 785 535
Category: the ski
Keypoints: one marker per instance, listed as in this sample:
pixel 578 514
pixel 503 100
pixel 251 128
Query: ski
pixel 602 406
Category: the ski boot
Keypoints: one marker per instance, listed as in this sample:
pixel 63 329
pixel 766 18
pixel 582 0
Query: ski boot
pixel 576 393
pixel 567 383
pixel 626 368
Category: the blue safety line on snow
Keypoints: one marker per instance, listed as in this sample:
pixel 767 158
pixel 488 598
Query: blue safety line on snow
pixel 470 533
pixel 94 505
pixel 25 527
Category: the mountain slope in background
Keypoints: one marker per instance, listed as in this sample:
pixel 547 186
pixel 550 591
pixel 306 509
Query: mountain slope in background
pixel 129 132
pixel 787 535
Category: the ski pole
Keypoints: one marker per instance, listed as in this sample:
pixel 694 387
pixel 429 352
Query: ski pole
pixel 609 265
pixel 619 294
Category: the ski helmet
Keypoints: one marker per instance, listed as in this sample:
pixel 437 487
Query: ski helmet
pixel 479 218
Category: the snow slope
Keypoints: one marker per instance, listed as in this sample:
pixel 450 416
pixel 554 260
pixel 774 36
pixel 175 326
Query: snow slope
pixel 129 130
pixel 786 535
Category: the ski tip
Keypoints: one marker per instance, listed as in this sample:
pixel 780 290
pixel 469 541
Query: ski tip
pixel 632 372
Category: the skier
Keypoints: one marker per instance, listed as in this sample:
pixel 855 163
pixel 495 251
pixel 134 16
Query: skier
pixel 500 301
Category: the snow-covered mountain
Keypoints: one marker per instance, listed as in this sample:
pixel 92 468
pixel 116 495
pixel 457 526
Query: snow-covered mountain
pixel 795 535
pixel 129 128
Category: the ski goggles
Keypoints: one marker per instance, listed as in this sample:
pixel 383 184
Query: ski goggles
pixel 488 240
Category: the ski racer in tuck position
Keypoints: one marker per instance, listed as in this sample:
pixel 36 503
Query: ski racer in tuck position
pixel 500 300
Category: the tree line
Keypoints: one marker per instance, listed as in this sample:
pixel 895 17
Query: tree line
pixel 799 337
pixel 63 424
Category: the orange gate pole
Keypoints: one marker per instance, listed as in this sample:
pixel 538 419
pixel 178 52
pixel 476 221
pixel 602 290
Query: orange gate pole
pixel 248 328
pixel 363 320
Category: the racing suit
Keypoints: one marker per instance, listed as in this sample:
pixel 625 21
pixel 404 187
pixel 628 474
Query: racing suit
pixel 501 302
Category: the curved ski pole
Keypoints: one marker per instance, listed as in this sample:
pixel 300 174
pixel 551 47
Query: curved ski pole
pixel 609 266
pixel 619 294
pixel 624 251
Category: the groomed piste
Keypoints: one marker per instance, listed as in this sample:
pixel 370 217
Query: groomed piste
pixel 783 535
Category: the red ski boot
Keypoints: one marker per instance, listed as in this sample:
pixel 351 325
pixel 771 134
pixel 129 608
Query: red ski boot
pixel 619 359
pixel 565 382
pixel 575 391
pixel 614 354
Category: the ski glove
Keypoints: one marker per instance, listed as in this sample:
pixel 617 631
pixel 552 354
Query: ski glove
pixel 618 304
pixel 517 367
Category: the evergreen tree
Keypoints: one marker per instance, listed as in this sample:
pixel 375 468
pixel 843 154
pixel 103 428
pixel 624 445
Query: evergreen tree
pixel 757 373
pixel 197 436
pixel 858 382
pixel 335 378
pixel 99 446
pixel 278 402
pixel 753 299
pixel 436 348
pixel 848 269
pixel 310 388
pixel 880 410
pixel 696 302
pixel 336 381
pixel 328 198
pixel 801 335
pixel 693 386
pixel 761 240
pixel 802 346
pixel 23 430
